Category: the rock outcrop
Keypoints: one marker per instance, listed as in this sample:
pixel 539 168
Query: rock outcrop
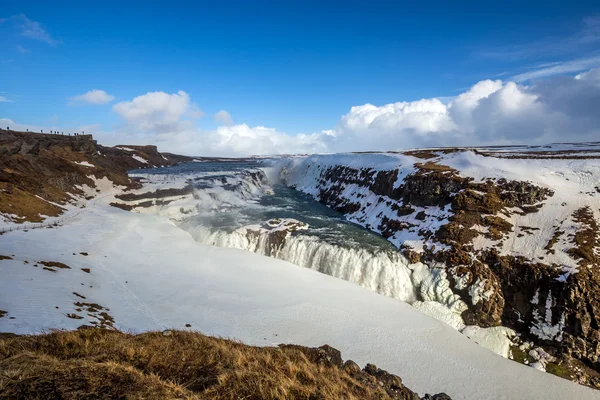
pixel 370 376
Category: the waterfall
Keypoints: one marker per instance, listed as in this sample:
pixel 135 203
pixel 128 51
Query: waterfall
pixel 385 272
pixel 223 204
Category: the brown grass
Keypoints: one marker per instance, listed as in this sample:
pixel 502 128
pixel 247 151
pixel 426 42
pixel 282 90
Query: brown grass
pixel 101 364
pixel 430 166
pixel 26 205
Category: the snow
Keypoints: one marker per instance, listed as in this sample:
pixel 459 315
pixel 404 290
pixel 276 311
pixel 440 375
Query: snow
pixel 543 327
pixel 152 275
pixel 496 339
pixel 126 148
pixel 542 358
pixel 140 159
pixel 478 293
pixel 84 163
pixel 440 312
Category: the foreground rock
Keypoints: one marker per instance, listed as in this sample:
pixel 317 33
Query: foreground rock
pixel 103 364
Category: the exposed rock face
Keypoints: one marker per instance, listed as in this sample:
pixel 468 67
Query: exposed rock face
pixel 487 232
pixel 38 172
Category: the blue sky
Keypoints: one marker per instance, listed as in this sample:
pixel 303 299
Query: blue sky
pixel 292 66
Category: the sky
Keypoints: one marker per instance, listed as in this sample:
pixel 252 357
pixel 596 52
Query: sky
pixel 264 77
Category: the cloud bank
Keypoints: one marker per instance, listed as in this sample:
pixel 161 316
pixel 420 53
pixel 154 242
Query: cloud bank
pixel 559 108
pixel 490 112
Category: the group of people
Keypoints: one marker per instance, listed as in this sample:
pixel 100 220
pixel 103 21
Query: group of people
pixel 54 132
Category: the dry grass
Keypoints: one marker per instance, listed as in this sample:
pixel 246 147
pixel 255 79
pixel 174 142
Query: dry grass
pixel 430 166
pixel 26 205
pixel 102 364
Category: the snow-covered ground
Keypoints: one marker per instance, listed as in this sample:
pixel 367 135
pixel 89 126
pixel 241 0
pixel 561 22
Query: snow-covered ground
pixel 149 275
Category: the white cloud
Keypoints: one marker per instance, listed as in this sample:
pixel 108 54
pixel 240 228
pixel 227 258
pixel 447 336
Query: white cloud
pixel 561 108
pixel 3 99
pixel 592 76
pixel 420 117
pixel 581 41
pixel 559 68
pixel 195 112
pixel 223 118
pixel 22 49
pixel 31 29
pixel 94 96
pixel 158 112
pixel 244 140
pixel 491 112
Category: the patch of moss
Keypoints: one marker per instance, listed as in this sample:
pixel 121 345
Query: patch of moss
pixel 559 370
pixel 520 356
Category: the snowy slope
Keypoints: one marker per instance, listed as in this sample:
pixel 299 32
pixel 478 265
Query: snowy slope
pixel 149 274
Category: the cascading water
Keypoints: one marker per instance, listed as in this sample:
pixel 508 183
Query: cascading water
pixel 384 272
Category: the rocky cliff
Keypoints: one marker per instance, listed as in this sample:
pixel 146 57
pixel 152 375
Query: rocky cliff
pixel 41 173
pixel 515 231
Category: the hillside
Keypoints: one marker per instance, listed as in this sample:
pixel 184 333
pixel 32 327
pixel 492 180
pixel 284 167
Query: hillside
pixel 100 363
pixel 42 174
pixel 513 233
